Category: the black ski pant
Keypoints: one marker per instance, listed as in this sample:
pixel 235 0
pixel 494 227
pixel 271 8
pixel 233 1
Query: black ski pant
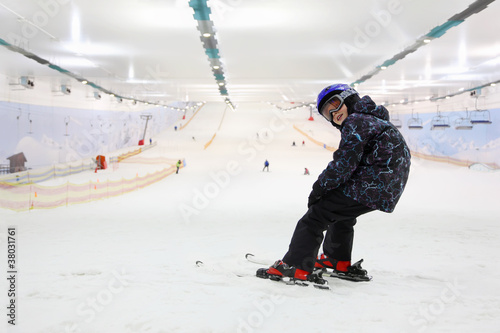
pixel 335 213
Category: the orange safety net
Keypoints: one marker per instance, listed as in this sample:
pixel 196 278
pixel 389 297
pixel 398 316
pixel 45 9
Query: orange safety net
pixel 451 160
pixel 33 196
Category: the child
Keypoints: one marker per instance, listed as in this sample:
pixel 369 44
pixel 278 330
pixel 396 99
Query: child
pixel 368 172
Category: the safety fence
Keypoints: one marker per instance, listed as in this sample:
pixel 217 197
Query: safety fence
pixel 454 161
pixel 122 157
pixel 4 168
pixel 194 114
pixel 151 160
pixel 324 145
pixel 44 174
pixel 62 170
pixel 442 159
pixel 210 141
pixel 33 196
pixel 218 129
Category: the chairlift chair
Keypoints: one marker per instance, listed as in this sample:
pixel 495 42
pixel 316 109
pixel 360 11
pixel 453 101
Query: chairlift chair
pixel 480 117
pixel 463 124
pixel 396 121
pixel 440 122
pixel 415 122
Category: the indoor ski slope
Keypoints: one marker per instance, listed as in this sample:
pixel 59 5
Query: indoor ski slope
pixel 127 264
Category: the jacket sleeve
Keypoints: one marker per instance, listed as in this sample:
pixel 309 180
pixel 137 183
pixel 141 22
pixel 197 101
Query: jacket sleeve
pixel 345 159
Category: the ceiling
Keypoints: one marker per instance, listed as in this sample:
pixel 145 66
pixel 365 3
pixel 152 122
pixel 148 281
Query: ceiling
pixel 278 51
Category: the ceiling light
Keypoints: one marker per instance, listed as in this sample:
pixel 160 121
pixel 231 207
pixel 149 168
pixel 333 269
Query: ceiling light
pixel 206 35
pixel 216 67
pixel 221 84
pixel 493 84
pixel 427 41
pixel 383 67
pixel 85 82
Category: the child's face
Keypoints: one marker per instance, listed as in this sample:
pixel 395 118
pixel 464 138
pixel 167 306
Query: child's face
pixel 338 117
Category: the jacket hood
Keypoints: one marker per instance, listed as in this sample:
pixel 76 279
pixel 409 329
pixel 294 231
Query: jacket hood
pixel 368 106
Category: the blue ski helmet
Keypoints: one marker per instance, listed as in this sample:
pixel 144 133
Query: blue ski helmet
pixel 335 89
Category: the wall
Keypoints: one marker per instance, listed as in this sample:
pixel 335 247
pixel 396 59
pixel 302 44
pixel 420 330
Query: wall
pixel 50 127
pixel 479 144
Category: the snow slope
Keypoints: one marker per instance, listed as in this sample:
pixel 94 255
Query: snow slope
pixel 127 264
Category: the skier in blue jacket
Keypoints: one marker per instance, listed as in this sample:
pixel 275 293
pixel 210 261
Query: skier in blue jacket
pixel 368 172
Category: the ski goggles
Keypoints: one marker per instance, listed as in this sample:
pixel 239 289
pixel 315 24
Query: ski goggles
pixel 334 103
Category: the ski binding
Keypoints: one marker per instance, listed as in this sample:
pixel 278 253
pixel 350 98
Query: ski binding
pixel 315 279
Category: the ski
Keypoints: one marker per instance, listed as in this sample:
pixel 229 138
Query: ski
pixel 313 279
pixel 218 270
pixel 256 260
pixel 347 276
pixel 323 272
pixel 343 276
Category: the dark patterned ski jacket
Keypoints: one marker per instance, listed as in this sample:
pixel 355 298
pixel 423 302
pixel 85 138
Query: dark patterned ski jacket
pixel 372 162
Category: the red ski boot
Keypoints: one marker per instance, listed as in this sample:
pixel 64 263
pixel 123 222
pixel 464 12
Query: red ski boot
pixel 280 271
pixel 341 269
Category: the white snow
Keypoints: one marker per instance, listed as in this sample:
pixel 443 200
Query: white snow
pixel 127 264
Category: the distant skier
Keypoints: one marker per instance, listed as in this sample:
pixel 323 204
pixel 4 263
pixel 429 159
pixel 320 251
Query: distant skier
pixel 368 172
pixel 178 165
pixel 306 171
pixel 266 166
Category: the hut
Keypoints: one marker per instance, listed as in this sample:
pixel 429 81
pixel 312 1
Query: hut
pixel 17 162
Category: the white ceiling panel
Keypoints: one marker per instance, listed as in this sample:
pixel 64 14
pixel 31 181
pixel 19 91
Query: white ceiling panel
pixel 273 50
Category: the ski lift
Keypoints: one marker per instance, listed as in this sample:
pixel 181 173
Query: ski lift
pixel 480 116
pixel 414 122
pixel 464 123
pixel 396 121
pixel 439 121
